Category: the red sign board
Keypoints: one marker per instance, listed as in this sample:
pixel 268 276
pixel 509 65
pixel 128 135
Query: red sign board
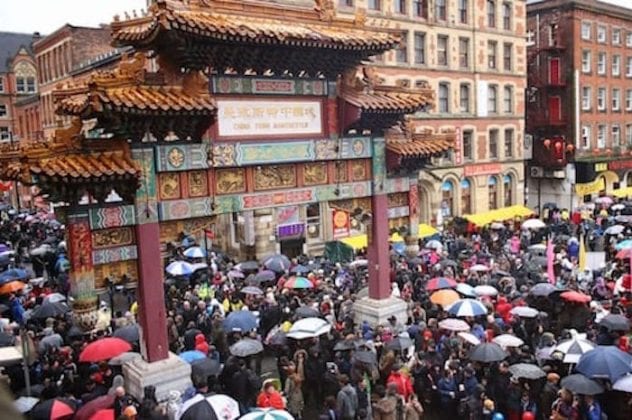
pixel 620 164
pixel 278 198
pixel 484 169
pixel 341 223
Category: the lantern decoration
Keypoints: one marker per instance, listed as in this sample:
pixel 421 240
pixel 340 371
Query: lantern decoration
pixel 570 148
pixel 608 151
pixel 547 143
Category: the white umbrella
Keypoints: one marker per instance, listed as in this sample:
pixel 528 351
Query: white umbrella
pixel 479 267
pixel 179 268
pixel 224 406
pixel 25 404
pixel 465 289
pixel 533 224
pixel 497 225
pixel 604 200
pixel 524 312
pixel 195 252
pixel 574 348
pixel 453 324
pixel 359 263
pixel 469 337
pixel 54 298
pixel 537 247
pixel 624 384
pixel 267 414
pixel 308 328
pixel 42 250
pixel 433 244
pixel 485 290
pixel 614 230
pixel 617 207
pixel 507 340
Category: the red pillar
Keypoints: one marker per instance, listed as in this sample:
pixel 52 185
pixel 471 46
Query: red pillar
pixel 151 296
pixel 378 253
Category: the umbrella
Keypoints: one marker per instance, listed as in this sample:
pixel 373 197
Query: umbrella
pixel 240 321
pixel 345 345
pixel 614 230
pixel 487 353
pixel 248 266
pixel 252 290
pixel 440 283
pixel 98 405
pixel 12 287
pixel 542 289
pixel 485 290
pixel 235 274
pixel 605 362
pixel 574 348
pixel 433 244
pixel 104 414
pixel 479 267
pixel 366 357
pixel 54 298
pixel 465 289
pixel 300 269
pixel 195 252
pixel 123 358
pixel 533 224
pixel 577 297
pixel 49 310
pixel 6 340
pixel 582 385
pixel 298 283
pixel 42 250
pixel 267 414
pixel 104 349
pixel 276 337
pixel 265 276
pixel 200 407
pixel 507 340
pixel 400 343
pixel 56 408
pixel 179 268
pixel 448 263
pixel 615 322
pixel 277 263
pixel 624 384
pixel 444 297
pixel 13 274
pixel 308 328
pixel 246 347
pixel 524 312
pixel 526 371
pixel 623 245
pixel 537 247
pixel 224 406
pixel 453 324
pixel 497 225
pixel 205 367
pixel 617 207
pixel 199 266
pixel 25 404
pixel 359 263
pixel 306 312
pixel 469 337
pixel 129 333
pixel 623 254
pixel 191 356
pixel 467 307
pixel 604 200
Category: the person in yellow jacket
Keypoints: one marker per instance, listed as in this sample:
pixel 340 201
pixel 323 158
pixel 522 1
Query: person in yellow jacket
pixel 232 304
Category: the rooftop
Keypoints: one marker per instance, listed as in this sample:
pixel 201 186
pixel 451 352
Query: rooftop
pixel 10 44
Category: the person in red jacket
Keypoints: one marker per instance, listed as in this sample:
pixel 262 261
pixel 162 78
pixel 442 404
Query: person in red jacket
pixel 201 344
pixel 402 381
pixel 503 308
pixel 269 397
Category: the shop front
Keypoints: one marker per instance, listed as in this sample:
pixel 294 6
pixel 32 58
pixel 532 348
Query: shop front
pixel 595 179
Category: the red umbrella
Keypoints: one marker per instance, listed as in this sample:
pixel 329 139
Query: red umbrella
pixel 104 349
pixel 440 283
pixel 55 409
pixel 578 297
pixel 623 254
pixel 107 414
pixel 90 409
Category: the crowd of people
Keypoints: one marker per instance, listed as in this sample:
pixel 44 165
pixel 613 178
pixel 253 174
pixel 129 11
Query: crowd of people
pixel 519 319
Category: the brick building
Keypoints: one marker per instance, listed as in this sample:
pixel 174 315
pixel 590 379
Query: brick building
pixel 472 53
pixel 580 100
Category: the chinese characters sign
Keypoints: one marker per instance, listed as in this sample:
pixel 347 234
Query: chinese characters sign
pixel 341 223
pixel 256 117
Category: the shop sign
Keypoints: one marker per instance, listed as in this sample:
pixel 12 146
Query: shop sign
pixel 278 198
pixel 256 118
pixel 484 169
pixel 590 187
pixel 294 230
pixel 341 223
pixel 287 215
pixel 395 212
pixel 620 164
pixel 601 167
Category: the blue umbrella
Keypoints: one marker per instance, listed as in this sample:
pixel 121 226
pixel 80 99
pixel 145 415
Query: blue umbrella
pixel 13 274
pixel 300 269
pixel 179 268
pixel 399 247
pixel 195 252
pixel 188 242
pixel 240 321
pixel 191 356
pixel 277 263
pixel 467 307
pixel 605 362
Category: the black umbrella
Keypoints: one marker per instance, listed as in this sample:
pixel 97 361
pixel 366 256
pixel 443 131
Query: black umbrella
pixel 542 289
pixel 265 276
pixel 580 384
pixel 56 408
pixel 526 371
pixel 366 357
pixel 75 332
pixel 487 353
pixel 399 343
pixel 345 345
pixel 300 269
pixel 196 408
pixel 614 322
pixel 307 312
pixel 206 367
pixel 128 333
pixel 248 266
pixel 50 310
pixel 448 263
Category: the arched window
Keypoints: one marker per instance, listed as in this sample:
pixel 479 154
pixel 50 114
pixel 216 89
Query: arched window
pixel 466 197
pixel 508 190
pixel 447 198
pixel 492 187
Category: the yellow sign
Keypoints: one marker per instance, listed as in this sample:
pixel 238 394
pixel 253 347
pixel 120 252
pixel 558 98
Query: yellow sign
pixel 590 187
pixel 601 167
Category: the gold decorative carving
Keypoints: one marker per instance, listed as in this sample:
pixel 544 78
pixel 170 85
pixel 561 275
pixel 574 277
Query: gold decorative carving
pixel 340 171
pixel 198 185
pixel 398 199
pixel 112 237
pixel 315 173
pixel 276 176
pixel 169 185
pixel 359 19
pixel 115 271
pixel 169 232
pixel 326 10
pixel 358 170
pixel 230 181
pixel 195 226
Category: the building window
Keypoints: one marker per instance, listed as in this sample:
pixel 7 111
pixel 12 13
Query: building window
pixel 1 84
pixel 442 50
pixel 586 30
pixel 466 197
pixel 601 99
pixel 3 110
pixel 401 54
pixel 616 99
pixel 20 84
pixel 616 65
pixel 4 133
pixel 345 3
pixel 628 39
pixel 616 36
pixel 373 4
pixel 601 136
pixel 491 13
pixel 509 142
pixel 628 67
pixel 447 198
pixel 628 100
pixel 601 63
pixel 492 188
pixel 420 48
pixel 616 135
pixel 508 100
pixel 586 98
pixel 464 52
pixel 628 134
pixel 444 98
pixel 507 12
pixel 508 190
pixel 491 54
pixel 464 98
pixel 468 146
pixel 463 9
pixel 399 6
pixel 586 135
pixel 492 93
pixel 313 220
pixel 421 8
pixel 440 10
pixel 586 61
pixel 507 56
pixel 493 144
pixel 601 34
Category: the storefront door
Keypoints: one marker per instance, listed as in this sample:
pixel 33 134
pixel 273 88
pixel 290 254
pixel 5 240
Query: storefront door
pixel 292 247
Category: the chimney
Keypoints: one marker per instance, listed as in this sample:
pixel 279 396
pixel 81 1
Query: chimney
pixel 36 37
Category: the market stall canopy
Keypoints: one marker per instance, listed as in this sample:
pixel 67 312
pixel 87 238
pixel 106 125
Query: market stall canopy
pixel 499 215
pixel 361 241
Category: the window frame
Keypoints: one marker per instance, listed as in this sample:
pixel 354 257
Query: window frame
pixel 492 46
pixel 492 100
pixel 402 7
pixel 586 98
pixel 628 99
pixel 507 19
pixel 420 9
pixel 586 26
pixel 465 87
pixel 604 106
pixel 496 137
pixel 616 65
pixel 441 10
pixel 586 64
pixel 419 35
pixel 441 86
pixel 374 5
pixel 586 136
pixel 5 133
pixel 615 138
pixel 602 65
pixel 508 99
pixel 401 52
pixel 443 52
pixel 602 34
pixel 469 156
pixel 602 130
pixel 510 131
pixel 616 41
pixel 507 60
pixel 615 99
pixel 464 56
pixel 464 11
pixel 490 11
pixel 4 111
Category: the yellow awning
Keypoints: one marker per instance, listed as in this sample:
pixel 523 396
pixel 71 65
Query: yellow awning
pixel 361 241
pixel 622 192
pixel 499 215
pixel 356 242
pixel 426 230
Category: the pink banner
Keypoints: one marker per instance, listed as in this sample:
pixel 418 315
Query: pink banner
pixel 550 261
